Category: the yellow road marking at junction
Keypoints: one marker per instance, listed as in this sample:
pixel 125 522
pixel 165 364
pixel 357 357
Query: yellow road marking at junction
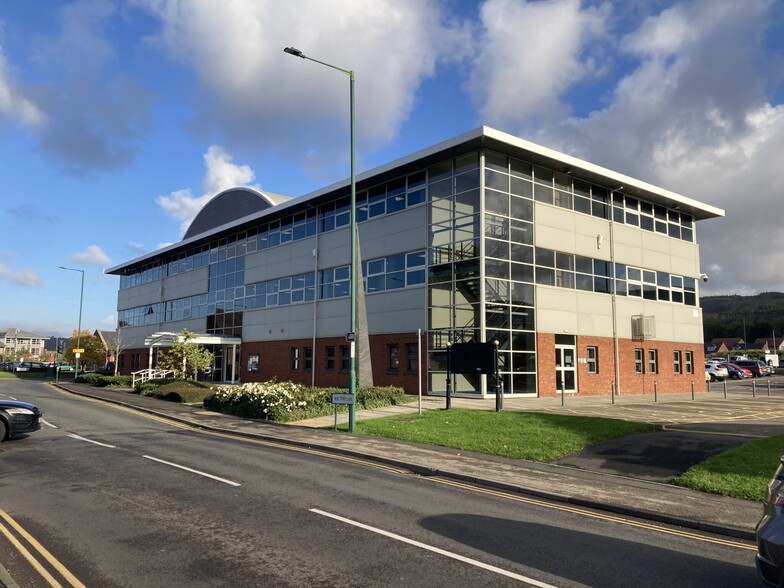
pixel 61 569
pixel 595 515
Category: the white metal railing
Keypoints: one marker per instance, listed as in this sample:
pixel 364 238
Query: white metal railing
pixel 149 374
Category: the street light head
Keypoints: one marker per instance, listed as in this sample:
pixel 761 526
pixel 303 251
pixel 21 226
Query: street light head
pixel 294 52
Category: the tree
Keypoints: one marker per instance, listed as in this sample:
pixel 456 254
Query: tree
pixel 186 358
pixel 94 353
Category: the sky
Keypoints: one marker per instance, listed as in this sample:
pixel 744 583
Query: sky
pixel 120 119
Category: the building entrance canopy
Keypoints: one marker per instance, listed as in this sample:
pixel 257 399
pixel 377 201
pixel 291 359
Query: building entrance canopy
pixel 167 339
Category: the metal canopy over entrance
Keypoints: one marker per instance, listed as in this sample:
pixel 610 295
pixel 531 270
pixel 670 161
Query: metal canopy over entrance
pixel 223 342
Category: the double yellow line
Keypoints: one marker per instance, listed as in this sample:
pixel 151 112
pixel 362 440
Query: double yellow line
pixel 25 544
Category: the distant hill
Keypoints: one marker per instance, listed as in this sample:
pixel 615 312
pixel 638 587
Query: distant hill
pixel 724 316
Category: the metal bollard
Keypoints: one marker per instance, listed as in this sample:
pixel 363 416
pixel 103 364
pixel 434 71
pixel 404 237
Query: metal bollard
pixel 655 391
pixel 754 388
pixel 563 393
pixel 692 389
pixel 725 389
pixel 612 393
pixel 768 387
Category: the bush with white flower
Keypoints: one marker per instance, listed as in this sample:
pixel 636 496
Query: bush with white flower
pixel 274 401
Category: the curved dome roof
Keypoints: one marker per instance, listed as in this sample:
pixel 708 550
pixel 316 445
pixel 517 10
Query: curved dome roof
pixel 230 205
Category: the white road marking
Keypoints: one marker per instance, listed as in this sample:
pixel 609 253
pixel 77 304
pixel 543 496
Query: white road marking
pixel 48 424
pixel 91 441
pixel 206 475
pixel 443 552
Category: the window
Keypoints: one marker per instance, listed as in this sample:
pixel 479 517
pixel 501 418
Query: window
pixel 330 354
pixel 412 357
pixel 639 367
pixel 593 360
pixel 345 358
pixel 653 361
pixel 676 362
pixel 689 362
pixel 308 359
pixel 393 357
pixel 295 358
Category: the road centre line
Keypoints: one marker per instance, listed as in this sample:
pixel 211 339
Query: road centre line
pixel 187 469
pixel 91 441
pixel 405 472
pixel 61 569
pixel 437 550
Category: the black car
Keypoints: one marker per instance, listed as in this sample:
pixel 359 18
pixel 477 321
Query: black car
pixel 18 417
pixel 770 532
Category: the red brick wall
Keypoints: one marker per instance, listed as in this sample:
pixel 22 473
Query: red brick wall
pixel 275 360
pixel 600 384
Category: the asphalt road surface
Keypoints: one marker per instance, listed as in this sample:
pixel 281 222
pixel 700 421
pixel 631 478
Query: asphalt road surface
pixel 121 499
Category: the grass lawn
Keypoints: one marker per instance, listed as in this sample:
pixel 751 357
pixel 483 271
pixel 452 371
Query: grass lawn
pixel 519 435
pixel 743 472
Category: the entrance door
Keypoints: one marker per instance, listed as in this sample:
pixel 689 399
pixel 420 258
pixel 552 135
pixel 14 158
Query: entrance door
pixel 565 368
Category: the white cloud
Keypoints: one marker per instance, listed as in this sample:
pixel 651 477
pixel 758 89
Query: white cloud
pixel 255 93
pixel 27 278
pixel 220 174
pixel 13 103
pixel 692 115
pixel 93 255
pixel 136 247
pixel 110 321
pixel 530 54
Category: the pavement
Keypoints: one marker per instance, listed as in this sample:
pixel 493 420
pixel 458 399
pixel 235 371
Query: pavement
pixel 627 476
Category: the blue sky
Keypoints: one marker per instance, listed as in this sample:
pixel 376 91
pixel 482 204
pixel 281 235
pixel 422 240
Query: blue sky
pixel 119 119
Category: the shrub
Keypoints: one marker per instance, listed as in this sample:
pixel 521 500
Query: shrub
pixel 175 390
pixel 273 401
pixel 102 381
pixel 286 401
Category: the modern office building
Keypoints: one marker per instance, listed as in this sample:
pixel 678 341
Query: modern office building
pixel 585 277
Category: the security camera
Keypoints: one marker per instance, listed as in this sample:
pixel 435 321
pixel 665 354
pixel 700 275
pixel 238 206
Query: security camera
pixel 704 277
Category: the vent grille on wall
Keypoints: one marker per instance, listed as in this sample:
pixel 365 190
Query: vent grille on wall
pixel 643 327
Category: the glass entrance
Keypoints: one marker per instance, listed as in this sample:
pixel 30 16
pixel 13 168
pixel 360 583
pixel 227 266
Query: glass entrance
pixel 565 368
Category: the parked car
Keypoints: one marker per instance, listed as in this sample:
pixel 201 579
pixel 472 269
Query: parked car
pixel 757 368
pixel 770 532
pixel 737 372
pixel 18 417
pixel 716 372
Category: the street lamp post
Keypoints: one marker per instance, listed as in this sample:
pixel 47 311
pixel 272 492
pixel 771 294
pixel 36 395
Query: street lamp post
pixel 352 378
pixel 79 327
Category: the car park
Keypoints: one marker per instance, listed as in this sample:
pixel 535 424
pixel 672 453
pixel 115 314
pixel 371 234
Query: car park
pixel 737 372
pixel 716 372
pixel 18 417
pixel 770 532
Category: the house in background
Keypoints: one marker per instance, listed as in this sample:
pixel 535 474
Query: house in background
pixel 111 342
pixel 588 279
pixel 713 348
pixel 730 343
pixel 774 345
pixel 20 344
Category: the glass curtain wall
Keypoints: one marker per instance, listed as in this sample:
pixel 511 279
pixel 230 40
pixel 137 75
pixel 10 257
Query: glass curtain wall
pixel 472 297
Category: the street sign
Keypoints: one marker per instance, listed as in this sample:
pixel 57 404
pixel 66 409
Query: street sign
pixel 343 399
pixel 350 337
pixel 78 350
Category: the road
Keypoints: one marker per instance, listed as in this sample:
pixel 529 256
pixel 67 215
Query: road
pixel 122 499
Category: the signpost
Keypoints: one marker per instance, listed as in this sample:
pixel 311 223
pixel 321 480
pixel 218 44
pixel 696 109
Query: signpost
pixel 345 399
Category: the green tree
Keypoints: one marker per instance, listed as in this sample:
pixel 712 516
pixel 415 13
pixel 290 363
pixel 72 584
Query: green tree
pixel 186 359
pixel 94 353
